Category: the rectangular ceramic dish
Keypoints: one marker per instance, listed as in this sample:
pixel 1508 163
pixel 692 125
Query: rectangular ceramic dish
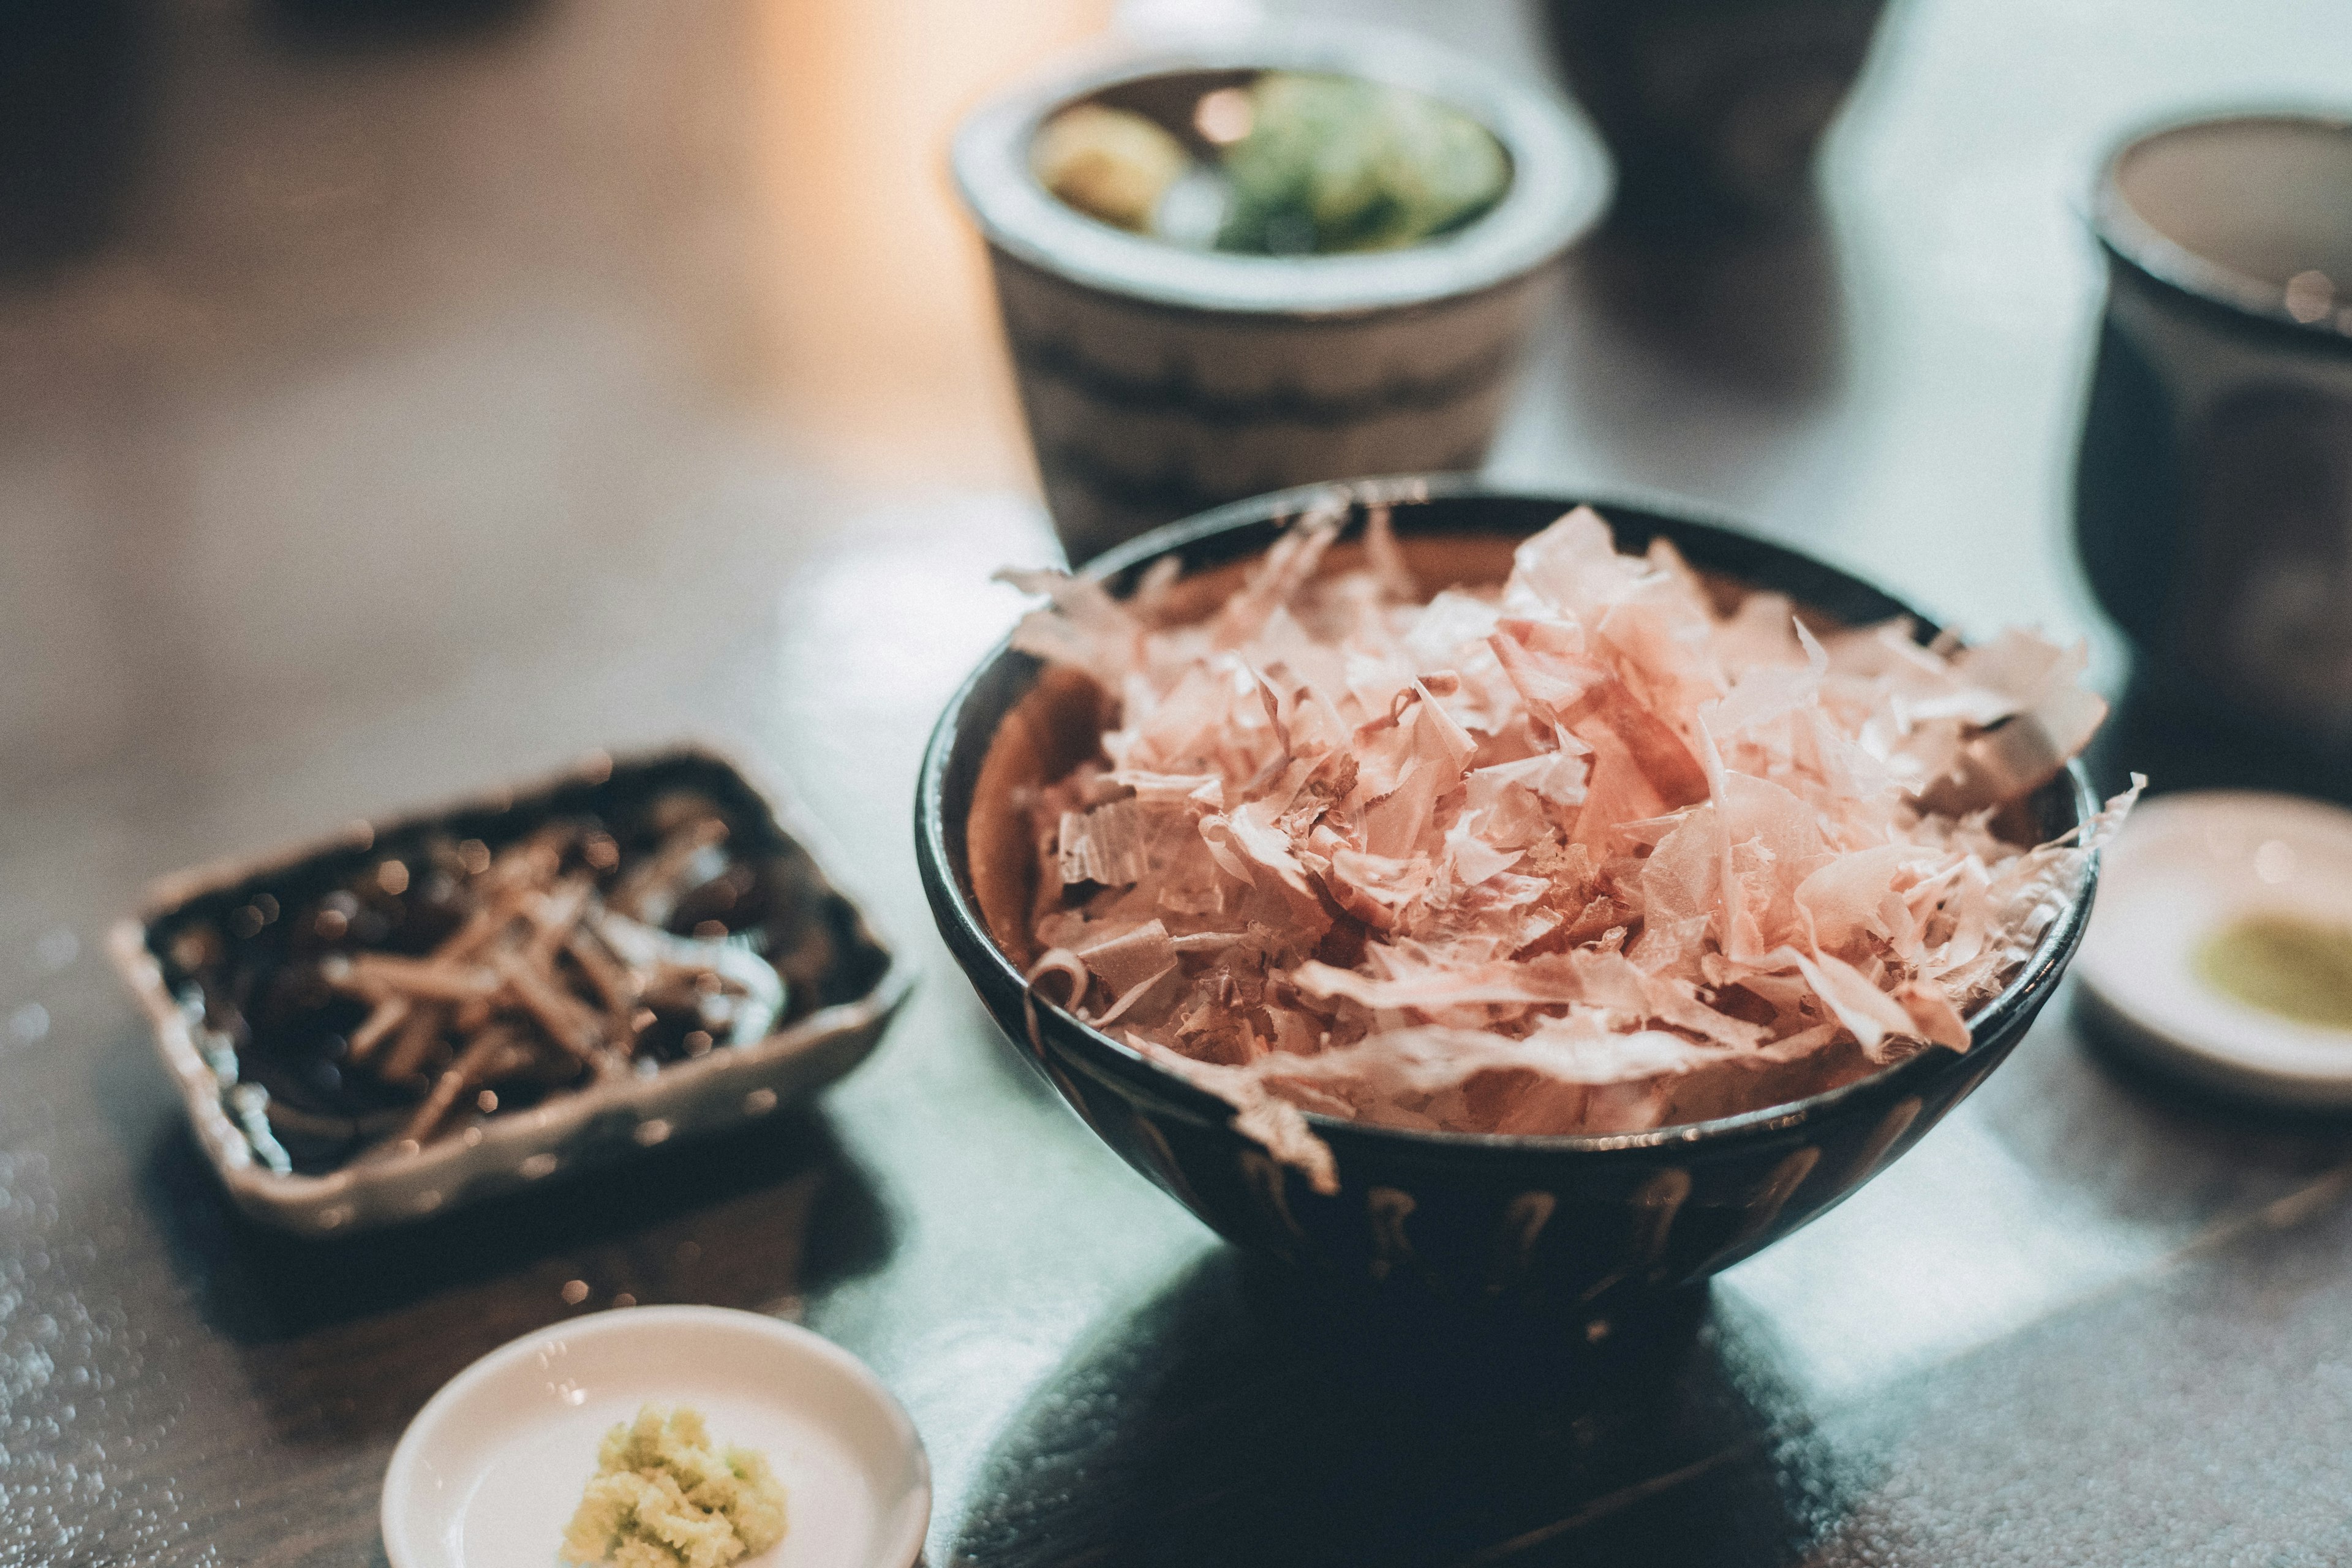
pixel 844 983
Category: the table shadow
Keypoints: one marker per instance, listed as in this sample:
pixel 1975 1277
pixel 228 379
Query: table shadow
pixel 335 26
pixel 76 102
pixel 1243 1418
pixel 1759 315
pixel 1705 365
pixel 2258 1132
pixel 787 1209
pixel 2162 728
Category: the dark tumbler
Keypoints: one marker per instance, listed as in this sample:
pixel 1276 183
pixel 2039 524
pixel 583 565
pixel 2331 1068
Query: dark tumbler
pixel 2213 487
pixel 1713 108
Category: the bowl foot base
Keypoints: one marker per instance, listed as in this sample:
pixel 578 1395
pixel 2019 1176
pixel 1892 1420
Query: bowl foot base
pixel 1522 1347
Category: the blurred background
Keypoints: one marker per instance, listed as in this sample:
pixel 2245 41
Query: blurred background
pixel 363 359
pixel 398 396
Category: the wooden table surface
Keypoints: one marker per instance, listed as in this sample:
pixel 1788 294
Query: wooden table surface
pixel 398 399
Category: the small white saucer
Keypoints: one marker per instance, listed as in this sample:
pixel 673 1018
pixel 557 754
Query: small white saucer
pixel 488 1473
pixel 2184 867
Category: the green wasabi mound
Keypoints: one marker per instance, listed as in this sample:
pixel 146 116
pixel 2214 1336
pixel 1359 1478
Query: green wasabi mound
pixel 664 1498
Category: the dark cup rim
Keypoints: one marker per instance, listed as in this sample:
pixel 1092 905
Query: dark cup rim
pixel 968 935
pixel 2133 243
pixel 1559 183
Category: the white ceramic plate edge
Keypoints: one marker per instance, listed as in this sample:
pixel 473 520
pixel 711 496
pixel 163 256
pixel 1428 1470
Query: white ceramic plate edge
pixel 899 1549
pixel 2172 1020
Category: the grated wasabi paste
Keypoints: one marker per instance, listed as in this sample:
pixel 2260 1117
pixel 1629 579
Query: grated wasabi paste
pixel 664 1498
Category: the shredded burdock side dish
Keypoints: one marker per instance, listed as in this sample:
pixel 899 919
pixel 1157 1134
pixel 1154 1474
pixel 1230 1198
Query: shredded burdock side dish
pixel 1608 847
pixel 543 979
pixel 451 982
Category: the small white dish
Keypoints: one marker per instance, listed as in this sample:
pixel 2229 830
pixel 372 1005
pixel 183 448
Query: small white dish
pixel 490 1472
pixel 2184 867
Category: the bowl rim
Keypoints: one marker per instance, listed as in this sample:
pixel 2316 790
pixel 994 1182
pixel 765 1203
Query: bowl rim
pixel 1560 180
pixel 966 931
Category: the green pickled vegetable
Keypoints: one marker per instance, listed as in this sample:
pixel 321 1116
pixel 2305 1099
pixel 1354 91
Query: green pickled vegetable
pixel 1336 164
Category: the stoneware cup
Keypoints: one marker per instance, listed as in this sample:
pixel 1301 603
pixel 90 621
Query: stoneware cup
pixel 1592 1229
pixel 2214 488
pixel 1159 380
pixel 1713 108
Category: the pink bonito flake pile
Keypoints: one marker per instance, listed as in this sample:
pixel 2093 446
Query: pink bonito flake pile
pixel 1608 848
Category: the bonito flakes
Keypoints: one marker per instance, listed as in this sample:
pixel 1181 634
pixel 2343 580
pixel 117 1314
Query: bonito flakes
pixel 1596 851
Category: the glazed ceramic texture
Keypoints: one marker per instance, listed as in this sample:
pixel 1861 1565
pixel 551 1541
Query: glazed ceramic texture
pixel 2213 484
pixel 1140 413
pixel 1578 1226
pixel 1714 111
pixel 1159 380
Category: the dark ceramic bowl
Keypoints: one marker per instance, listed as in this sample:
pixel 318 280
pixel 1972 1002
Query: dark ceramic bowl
pixel 1577 1225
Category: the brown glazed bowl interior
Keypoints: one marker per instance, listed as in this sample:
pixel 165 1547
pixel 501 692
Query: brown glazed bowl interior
pixel 1571 1225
